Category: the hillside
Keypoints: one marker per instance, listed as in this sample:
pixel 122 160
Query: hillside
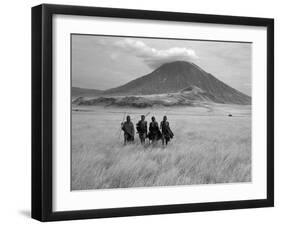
pixel 76 92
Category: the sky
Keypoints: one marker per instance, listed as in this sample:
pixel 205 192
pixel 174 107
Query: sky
pixel 103 62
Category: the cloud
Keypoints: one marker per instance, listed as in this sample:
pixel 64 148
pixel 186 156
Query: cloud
pixel 155 57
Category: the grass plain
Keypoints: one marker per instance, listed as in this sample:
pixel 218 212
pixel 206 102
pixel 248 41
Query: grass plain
pixel 209 147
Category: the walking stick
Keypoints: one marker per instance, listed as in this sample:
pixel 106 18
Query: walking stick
pixel 124 115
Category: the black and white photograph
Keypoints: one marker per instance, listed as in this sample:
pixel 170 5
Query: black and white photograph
pixel 149 112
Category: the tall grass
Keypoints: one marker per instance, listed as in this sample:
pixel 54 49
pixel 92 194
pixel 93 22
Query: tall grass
pixel 206 149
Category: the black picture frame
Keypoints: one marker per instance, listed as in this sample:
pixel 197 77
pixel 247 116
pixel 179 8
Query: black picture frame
pixel 42 107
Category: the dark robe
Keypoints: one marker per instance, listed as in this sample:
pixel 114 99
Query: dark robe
pixel 154 131
pixel 129 131
pixel 142 130
pixel 167 133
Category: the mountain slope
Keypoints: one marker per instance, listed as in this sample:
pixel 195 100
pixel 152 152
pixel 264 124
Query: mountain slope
pixel 179 75
pixel 76 91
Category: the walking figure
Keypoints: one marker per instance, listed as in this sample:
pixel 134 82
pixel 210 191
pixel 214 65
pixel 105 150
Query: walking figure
pixel 142 129
pixel 129 131
pixel 167 133
pixel 154 131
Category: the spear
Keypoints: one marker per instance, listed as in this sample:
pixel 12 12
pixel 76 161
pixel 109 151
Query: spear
pixel 124 115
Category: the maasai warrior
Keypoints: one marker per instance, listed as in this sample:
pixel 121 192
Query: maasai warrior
pixel 142 129
pixel 154 131
pixel 167 133
pixel 129 131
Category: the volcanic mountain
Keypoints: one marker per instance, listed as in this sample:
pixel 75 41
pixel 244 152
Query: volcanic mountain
pixel 172 84
pixel 180 76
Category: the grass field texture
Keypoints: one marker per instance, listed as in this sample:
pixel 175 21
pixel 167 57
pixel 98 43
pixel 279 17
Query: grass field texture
pixel 209 147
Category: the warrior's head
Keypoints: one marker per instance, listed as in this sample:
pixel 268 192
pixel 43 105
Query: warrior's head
pixel 153 119
pixel 165 118
pixel 142 117
pixel 128 118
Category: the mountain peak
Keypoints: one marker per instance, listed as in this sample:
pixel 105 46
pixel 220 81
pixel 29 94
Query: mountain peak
pixel 180 68
pixel 175 64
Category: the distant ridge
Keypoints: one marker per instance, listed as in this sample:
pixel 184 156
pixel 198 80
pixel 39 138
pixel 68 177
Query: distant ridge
pixel 76 91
